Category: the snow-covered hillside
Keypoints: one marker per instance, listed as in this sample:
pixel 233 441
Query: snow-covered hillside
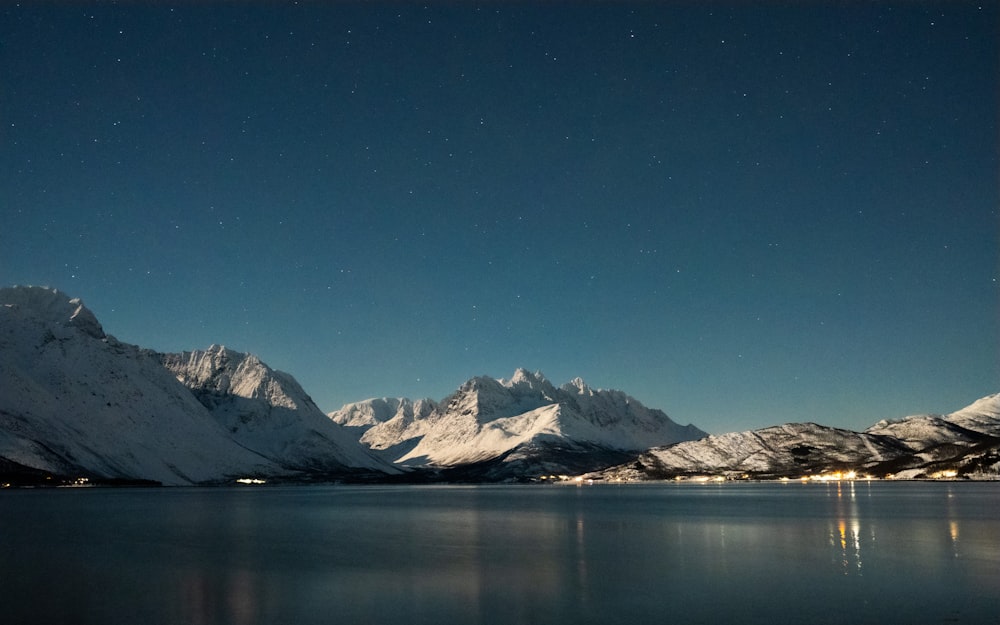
pixel 490 419
pixel 966 441
pixel 961 443
pixel 779 450
pixel 981 416
pixel 77 402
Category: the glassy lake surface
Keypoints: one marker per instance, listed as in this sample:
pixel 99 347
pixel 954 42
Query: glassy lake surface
pixel 850 552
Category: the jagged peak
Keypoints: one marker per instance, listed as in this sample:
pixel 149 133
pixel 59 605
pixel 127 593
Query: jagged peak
pixel 394 402
pixel 578 387
pixel 381 409
pixel 225 367
pixel 479 383
pixel 54 307
pixel 221 351
pixel 223 370
pixel 523 376
pixel 222 356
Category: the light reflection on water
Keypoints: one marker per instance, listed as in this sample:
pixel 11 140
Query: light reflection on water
pixel 854 552
pixel 852 534
pixel 846 536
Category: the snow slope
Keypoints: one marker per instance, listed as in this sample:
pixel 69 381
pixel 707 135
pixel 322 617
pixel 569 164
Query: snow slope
pixel 487 419
pixel 981 416
pixel 965 426
pixel 966 440
pixel 920 432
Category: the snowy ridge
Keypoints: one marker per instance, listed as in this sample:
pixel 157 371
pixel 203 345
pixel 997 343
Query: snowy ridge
pixel 780 449
pixel 961 443
pixel 374 411
pixel 487 419
pixel 268 411
pixel 981 416
pixel 920 432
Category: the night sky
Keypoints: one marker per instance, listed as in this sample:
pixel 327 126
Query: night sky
pixel 741 213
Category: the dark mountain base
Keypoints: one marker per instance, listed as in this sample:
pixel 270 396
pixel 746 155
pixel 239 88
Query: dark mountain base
pixel 14 475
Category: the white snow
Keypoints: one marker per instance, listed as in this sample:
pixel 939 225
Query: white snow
pixel 487 417
pixel 983 415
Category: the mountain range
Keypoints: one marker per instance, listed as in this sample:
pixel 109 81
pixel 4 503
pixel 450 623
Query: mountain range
pixel 965 443
pixel 514 428
pixel 77 404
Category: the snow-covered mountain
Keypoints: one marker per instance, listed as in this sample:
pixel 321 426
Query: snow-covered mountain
pixel 521 427
pixel 268 411
pixel 981 416
pixel 965 442
pixel 75 401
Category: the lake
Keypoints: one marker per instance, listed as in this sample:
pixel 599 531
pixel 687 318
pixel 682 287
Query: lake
pixel 732 553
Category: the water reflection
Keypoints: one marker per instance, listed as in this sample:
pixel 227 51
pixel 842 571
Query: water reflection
pixel 845 530
pixel 741 554
pixel 208 597
pixel 580 554
pixel 952 522
pixel 852 529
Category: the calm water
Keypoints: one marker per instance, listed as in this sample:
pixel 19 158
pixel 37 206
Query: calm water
pixel 732 553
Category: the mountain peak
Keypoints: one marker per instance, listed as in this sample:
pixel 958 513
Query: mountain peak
pixel 989 405
pixel 224 370
pixel 523 376
pixel 266 410
pixel 524 417
pixel 578 386
pixel 53 307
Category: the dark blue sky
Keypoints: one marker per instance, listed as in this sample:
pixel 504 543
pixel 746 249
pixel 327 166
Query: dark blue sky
pixel 743 214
